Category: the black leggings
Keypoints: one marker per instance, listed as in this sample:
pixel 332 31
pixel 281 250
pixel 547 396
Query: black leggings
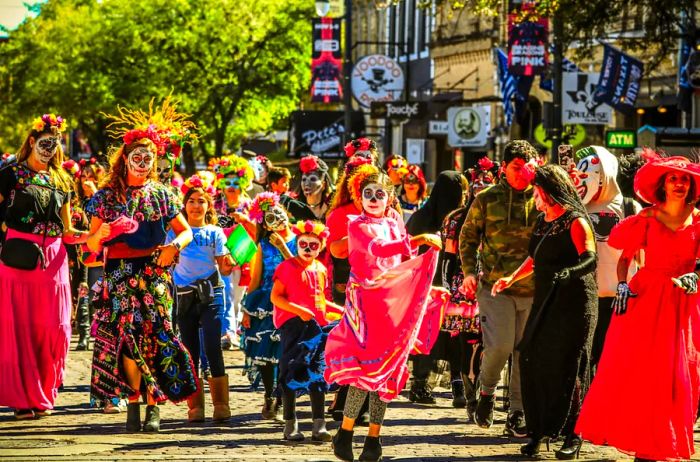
pixel 289 401
pixel 193 315
pixel 267 373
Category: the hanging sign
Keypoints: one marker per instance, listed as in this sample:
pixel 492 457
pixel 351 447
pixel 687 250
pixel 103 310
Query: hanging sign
pixel 377 78
pixel 326 62
pixel 621 139
pixel 468 126
pixel 620 80
pixel 527 44
pixel 579 105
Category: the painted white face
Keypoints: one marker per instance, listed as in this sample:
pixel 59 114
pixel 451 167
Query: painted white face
pixel 308 247
pixel 140 162
pixel 164 167
pixel 276 218
pixel 259 169
pixel 311 183
pixel 45 148
pixel 374 199
pixel 589 178
pixel 364 154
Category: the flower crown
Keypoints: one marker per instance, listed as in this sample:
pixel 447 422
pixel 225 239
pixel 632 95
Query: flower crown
pixel 236 165
pixel 311 227
pixel 195 181
pixel 72 167
pixel 397 163
pixel 49 120
pixel 355 162
pixel 359 144
pixel 357 178
pixel 84 162
pixel 261 204
pixel 485 164
pixel 150 133
pixel 311 163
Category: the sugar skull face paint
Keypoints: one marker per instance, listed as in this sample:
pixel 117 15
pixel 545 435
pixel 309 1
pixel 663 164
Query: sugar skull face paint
pixel 308 246
pixel 45 148
pixel 140 162
pixel 311 183
pixel 374 199
pixel 232 183
pixel 276 218
pixel 164 167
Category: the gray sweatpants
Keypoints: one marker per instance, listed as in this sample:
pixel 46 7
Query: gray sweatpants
pixel 503 319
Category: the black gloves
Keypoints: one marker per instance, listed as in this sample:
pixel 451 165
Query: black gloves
pixel 586 264
pixel 624 293
pixel 688 282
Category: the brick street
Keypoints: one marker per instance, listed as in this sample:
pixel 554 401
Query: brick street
pixel 412 432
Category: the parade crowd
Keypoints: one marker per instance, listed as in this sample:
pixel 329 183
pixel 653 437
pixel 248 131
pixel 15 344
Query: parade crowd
pixel 579 277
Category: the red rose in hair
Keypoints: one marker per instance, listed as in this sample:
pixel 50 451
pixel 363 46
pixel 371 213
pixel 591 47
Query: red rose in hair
pixel 308 164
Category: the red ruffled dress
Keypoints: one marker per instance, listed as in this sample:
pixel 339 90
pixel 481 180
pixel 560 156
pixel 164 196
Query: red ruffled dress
pixel 644 397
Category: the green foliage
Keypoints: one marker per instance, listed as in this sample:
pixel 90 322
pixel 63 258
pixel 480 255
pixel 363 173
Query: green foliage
pixel 237 67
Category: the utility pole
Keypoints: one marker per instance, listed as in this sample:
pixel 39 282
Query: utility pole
pixel 557 127
pixel 347 71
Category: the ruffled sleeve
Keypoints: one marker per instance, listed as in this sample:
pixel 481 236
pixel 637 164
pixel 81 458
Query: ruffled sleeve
pixel 171 204
pixel 630 234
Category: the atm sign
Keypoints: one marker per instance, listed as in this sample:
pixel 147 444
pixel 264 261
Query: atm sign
pixel 621 139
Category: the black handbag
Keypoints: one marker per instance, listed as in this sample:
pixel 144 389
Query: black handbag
pixel 25 255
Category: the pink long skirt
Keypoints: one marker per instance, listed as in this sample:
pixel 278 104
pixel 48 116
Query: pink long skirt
pixel 35 329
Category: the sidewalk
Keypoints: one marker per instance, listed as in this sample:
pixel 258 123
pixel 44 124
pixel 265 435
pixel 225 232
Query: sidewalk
pixel 412 433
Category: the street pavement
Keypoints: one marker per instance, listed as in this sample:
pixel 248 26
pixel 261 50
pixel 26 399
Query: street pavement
pixel 75 432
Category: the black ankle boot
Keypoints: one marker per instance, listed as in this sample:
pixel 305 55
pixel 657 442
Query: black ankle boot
pixel 570 449
pixel 133 417
pixel 532 448
pixel 342 445
pixel 459 401
pixel 372 452
pixel 152 421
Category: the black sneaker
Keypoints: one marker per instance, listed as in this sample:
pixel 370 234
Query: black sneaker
pixel 459 401
pixel 484 411
pixel 421 394
pixel 515 425
pixel 471 412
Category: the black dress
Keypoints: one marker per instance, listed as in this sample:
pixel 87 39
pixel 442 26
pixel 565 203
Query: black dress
pixel 556 346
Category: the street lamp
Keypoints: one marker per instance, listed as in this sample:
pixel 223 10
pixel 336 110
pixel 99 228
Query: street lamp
pixel 322 7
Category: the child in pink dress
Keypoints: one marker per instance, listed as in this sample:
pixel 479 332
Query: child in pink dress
pixel 391 311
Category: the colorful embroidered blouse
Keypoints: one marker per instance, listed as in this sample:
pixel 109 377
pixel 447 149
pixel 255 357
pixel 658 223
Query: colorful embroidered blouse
pixel 28 195
pixel 153 205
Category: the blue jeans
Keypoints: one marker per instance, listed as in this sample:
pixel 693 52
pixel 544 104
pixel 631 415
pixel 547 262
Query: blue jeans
pixel 193 315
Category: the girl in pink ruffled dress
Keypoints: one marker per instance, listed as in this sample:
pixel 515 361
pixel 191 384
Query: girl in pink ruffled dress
pixel 391 311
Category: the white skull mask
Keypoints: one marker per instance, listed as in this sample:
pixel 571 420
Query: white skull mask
pixel 374 199
pixel 140 162
pixel 276 218
pixel 164 167
pixel 311 183
pixel 588 177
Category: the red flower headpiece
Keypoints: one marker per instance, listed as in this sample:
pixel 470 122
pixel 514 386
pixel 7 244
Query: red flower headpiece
pixel 195 181
pixel 151 133
pixel 528 172
pixel 355 162
pixel 84 162
pixel 72 167
pixel 311 227
pixel 308 164
pixel 359 144
pixel 262 159
pixel 485 163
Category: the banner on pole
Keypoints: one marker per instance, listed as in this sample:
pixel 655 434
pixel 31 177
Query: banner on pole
pixel 527 45
pixel 620 79
pixel 326 62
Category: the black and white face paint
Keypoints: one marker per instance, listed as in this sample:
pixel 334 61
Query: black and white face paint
pixel 308 247
pixel 276 218
pixel 45 148
pixel 140 162
pixel 164 167
pixel 311 183
pixel 374 199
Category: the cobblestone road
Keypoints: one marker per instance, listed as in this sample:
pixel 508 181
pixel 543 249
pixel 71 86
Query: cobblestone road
pixel 412 432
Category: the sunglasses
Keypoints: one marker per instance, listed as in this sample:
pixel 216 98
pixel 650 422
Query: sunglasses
pixel 378 194
pixel 311 245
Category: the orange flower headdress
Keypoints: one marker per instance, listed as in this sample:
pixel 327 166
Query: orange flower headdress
pixel 311 227
pixel 358 176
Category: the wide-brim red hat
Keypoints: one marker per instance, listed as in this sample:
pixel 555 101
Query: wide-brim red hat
pixel 647 178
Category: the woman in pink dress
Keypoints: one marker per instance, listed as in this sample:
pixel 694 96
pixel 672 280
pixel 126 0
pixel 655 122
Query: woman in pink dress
pixel 644 396
pixel 390 311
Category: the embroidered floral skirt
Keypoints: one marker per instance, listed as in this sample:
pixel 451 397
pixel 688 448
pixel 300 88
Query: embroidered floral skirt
pixel 132 316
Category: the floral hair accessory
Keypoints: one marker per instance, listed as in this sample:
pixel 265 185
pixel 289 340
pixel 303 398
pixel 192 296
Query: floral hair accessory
pixel 311 227
pixel 46 121
pixel 84 162
pixel 262 159
pixel 397 163
pixel 355 162
pixel 261 204
pixel 356 179
pixel 359 144
pixel 310 163
pixel 195 181
pixel 72 167
pixel 236 165
pixel 528 172
pixel 485 164
pixel 176 182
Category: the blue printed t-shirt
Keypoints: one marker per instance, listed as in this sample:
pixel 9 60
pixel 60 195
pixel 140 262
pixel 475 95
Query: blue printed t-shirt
pixel 197 260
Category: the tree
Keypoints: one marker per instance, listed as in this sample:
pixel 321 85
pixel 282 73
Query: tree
pixel 237 67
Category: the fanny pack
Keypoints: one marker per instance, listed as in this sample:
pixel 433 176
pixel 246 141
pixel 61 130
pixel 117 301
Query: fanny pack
pixel 25 255
pixel 203 288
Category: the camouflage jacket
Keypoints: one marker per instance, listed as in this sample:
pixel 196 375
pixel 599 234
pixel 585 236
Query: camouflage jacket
pixel 498 228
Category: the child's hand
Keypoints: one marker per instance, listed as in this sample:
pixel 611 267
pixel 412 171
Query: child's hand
pixel 245 322
pixel 306 316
